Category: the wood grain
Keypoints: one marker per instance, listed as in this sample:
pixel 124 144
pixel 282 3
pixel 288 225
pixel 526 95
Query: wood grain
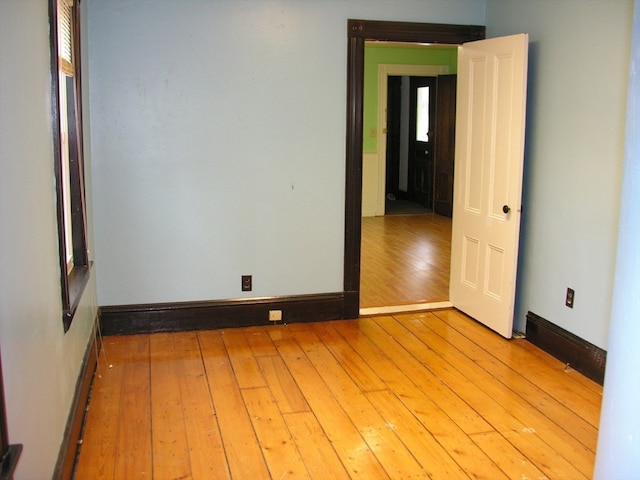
pixel 420 395
pixel 98 450
pixel 170 449
pixel 134 452
pixel 405 259
pixel 243 453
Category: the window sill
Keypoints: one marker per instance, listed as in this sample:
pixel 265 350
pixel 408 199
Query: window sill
pixel 78 280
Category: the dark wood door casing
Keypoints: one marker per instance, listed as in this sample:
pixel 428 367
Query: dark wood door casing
pixel 358 31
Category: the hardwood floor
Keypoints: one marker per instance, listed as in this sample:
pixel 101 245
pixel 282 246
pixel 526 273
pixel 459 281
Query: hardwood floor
pixel 405 259
pixel 422 395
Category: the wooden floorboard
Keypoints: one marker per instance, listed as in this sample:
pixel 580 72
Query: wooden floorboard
pixel 417 395
pixel 405 260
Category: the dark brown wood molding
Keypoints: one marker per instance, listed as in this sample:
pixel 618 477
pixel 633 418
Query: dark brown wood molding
pixel 76 283
pixel 185 316
pixel 73 430
pixel 357 32
pixel 9 454
pixel 414 32
pixel 9 461
pixel 579 354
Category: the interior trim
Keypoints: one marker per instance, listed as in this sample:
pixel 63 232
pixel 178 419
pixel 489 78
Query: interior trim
pixel 204 315
pixel 73 430
pixel 577 353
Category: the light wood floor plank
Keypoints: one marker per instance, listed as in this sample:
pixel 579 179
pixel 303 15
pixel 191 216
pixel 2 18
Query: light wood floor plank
pixel 397 461
pixel 350 446
pixel 446 399
pixel 279 449
pixel 513 463
pixel 357 368
pixel 502 407
pixel 319 456
pixel 405 259
pixel 283 387
pixel 561 414
pixel 243 452
pixel 246 368
pixel 420 395
pixel 419 401
pixel 98 450
pixel 134 456
pixel 170 449
pixel 550 375
pixel 429 453
pixel 206 451
pixel 260 342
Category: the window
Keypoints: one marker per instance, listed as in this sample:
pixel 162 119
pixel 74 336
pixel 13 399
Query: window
pixel 422 113
pixel 68 157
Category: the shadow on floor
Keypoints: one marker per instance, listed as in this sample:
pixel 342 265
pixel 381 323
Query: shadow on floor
pixel 403 207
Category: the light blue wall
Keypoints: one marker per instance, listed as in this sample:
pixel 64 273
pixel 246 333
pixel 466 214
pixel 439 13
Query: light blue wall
pixel 40 363
pixel 219 142
pixel 578 70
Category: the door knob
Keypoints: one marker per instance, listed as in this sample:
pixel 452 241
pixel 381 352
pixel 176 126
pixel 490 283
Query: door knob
pixel 506 208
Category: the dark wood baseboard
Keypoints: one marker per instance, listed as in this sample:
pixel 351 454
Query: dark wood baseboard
pixel 185 316
pixel 9 461
pixel 75 422
pixel 579 354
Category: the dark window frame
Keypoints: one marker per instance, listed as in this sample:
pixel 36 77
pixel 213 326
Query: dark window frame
pixel 74 279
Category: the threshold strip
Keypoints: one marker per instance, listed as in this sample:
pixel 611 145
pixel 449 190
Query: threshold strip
pixel 413 307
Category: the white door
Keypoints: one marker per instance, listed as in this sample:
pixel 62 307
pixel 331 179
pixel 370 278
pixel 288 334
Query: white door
pixel 492 78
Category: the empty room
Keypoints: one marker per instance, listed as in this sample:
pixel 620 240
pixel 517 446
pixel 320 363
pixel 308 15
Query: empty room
pixel 197 204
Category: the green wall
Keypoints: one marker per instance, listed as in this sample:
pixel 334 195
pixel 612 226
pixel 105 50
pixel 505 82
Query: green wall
pixel 380 53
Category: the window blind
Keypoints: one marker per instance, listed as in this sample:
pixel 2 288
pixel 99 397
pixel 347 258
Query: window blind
pixel 65 35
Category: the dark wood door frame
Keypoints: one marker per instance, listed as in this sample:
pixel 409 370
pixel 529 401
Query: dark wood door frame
pixel 357 32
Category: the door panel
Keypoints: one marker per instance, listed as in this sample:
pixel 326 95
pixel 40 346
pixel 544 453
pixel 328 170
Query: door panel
pixel 394 112
pixel 421 135
pixel 445 145
pixel 488 179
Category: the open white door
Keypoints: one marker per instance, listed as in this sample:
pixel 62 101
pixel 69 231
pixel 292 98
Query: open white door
pixel 492 79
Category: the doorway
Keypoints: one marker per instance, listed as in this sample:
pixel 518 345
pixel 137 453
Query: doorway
pixel 410 140
pixel 420 138
pixel 405 255
pixel 358 32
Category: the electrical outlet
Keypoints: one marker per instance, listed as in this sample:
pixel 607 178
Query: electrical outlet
pixel 246 283
pixel 275 315
pixel 570 297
